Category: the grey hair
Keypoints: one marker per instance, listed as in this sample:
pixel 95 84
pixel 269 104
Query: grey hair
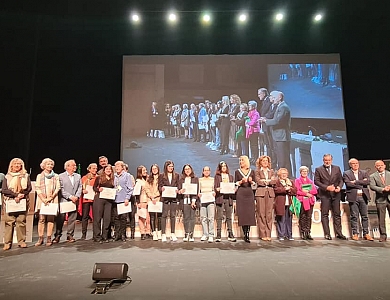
pixel 44 161
pixel 303 168
pixel 68 162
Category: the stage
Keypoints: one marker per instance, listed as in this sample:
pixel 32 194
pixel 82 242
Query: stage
pixel 176 270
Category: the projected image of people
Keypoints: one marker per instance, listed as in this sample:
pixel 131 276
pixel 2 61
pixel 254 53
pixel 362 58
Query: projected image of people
pixel 208 109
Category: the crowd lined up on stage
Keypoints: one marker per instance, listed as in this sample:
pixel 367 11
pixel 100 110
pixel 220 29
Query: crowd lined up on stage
pixel 255 128
pixel 114 196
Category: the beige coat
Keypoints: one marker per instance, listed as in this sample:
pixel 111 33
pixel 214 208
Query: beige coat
pixel 52 188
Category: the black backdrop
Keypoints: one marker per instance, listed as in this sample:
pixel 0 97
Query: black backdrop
pixel 61 65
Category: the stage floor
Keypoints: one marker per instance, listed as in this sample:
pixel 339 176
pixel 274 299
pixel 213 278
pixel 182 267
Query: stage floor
pixel 269 270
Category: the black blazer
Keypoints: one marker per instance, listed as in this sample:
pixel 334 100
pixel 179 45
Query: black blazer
pixel 180 186
pixel 218 196
pixel 361 184
pixel 322 179
pixel 162 181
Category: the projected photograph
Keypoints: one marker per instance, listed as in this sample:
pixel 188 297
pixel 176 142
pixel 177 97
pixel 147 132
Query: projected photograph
pixel 202 110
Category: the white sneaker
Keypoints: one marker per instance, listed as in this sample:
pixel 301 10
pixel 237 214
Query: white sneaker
pixel 173 237
pixel 203 238
pixel 191 238
pixel 211 239
pixel 185 239
pixel 164 238
pixel 291 239
pixel 281 239
pixel 155 236
pixel 159 235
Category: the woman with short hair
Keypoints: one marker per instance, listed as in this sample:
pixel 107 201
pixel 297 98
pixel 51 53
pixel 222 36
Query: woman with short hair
pixel 16 186
pixel 47 186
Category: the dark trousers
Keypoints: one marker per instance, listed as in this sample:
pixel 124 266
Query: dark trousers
pixel 254 145
pixel 169 211
pixel 359 207
pixel 243 147
pixel 284 223
pixel 188 218
pixel 381 210
pixel 155 221
pixel 282 150
pixel 101 210
pixel 225 206
pixel 332 202
pixel 119 222
pixel 225 129
pixel 305 219
pixel 85 216
pixel 72 216
pixel 269 142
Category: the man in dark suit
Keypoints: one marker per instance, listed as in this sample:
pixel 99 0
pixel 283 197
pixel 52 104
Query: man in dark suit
pixel 329 180
pixel 358 195
pixel 380 184
pixel 280 130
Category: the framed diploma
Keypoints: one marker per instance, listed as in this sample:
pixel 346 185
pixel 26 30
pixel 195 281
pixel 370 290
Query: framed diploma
pixel 227 188
pixel 207 197
pixel 11 205
pixel 155 207
pixel 67 206
pixel 169 192
pixel 123 209
pixel 50 209
pixel 108 193
pixel 190 189
pixel 91 193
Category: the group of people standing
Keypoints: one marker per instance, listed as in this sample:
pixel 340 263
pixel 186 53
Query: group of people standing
pixel 255 128
pixel 260 194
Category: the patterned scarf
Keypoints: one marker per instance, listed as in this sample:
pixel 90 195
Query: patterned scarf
pixel 49 177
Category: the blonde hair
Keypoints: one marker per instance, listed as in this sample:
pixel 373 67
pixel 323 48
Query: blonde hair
pixel 246 161
pixel 281 170
pixel 44 162
pixel 236 98
pixel 91 165
pixel 14 160
pixel 122 163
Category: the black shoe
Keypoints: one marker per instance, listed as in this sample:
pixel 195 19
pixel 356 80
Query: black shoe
pixel 231 237
pixel 143 237
pixel 303 236
pixel 132 234
pixel 83 237
pixel 341 237
pixel 328 237
pixel 308 237
pixel 148 236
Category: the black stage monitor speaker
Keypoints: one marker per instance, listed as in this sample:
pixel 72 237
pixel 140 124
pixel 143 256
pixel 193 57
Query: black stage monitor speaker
pixel 110 271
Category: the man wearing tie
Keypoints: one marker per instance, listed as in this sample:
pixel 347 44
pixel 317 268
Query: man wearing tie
pixel 358 195
pixel 71 189
pixel 380 184
pixel 329 180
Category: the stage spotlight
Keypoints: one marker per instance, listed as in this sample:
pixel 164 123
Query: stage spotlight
pixel 279 17
pixel 206 18
pixel 242 17
pixel 318 17
pixel 135 18
pixel 172 17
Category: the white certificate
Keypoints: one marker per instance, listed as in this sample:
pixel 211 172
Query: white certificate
pixel 67 206
pixel 155 207
pixel 169 192
pixel 207 197
pixel 108 193
pixel 51 209
pixel 190 189
pixel 12 206
pixel 137 188
pixel 123 209
pixel 227 188
pixel 142 212
pixel 1 199
pixel 91 193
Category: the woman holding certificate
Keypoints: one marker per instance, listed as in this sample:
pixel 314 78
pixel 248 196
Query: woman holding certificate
pixel 225 188
pixel 265 195
pixel 153 195
pixel 142 202
pixel 15 189
pixel 167 186
pixel 188 189
pixel 87 198
pixel 284 190
pixel 102 207
pixel 124 190
pixel 245 198
pixel 306 192
pixel 47 187
pixel 207 200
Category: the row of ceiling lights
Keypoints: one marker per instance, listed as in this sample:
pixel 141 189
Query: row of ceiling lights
pixel 206 18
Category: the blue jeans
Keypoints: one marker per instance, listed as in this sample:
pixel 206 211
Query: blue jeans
pixel 207 212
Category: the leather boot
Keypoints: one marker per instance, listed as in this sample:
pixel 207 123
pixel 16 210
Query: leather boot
pixel 308 236
pixel 40 241
pixel 247 234
pixel 303 235
pixel 132 234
